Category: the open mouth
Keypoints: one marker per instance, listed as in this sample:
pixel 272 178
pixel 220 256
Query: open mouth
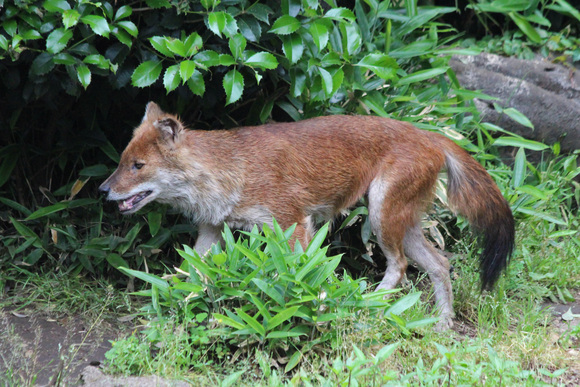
pixel 129 204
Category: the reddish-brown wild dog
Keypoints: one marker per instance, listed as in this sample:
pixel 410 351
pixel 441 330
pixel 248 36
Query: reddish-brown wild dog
pixel 313 169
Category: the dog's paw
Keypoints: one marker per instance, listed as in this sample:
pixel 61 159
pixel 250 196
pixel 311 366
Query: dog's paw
pixel 444 324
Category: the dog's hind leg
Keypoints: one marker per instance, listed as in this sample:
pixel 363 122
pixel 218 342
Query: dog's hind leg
pixel 418 249
pixel 384 218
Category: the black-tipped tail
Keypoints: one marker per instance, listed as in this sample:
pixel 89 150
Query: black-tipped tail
pixel 473 193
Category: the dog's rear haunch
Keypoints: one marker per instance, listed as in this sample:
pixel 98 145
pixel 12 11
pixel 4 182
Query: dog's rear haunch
pixel 313 169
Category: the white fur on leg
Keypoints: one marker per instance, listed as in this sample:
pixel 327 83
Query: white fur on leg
pixel 207 236
pixel 437 267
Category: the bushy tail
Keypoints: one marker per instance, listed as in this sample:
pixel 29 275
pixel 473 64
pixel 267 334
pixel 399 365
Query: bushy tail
pixel 472 193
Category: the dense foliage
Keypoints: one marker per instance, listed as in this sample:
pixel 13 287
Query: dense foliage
pixel 74 80
pixel 77 74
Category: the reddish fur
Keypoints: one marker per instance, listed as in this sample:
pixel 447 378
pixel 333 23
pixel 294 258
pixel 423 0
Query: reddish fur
pixel 314 167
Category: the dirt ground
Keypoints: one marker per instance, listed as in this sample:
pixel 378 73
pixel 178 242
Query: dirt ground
pixel 40 350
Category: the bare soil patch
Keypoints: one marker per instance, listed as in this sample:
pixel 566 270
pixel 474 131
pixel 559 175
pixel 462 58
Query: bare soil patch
pixel 38 349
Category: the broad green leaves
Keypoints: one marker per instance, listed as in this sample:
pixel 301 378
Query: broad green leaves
pixel 233 85
pixel 146 73
pixel 84 75
pixel 381 64
pixel 57 40
pixel 222 23
pixel 98 24
pixel 259 290
pixel 285 25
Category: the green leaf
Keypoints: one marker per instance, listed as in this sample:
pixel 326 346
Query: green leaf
pixel 44 211
pixel 186 70
pixel 84 75
pixel 30 35
pixel 160 44
pixel 196 83
pixel 285 25
pixel 177 47
pixel 252 322
pixel 57 40
pixel 130 27
pixel 294 361
pixel 403 303
pixel 15 205
pixel 231 379
pixel 24 231
pixel 116 261
pixel 562 233
pixel 283 316
pixel 327 82
pixel 237 45
pixel 340 14
pixel 207 58
pixel 97 170
pixel 233 85
pixel 351 39
pixel 150 278
pixel 421 75
pixel 381 64
pixel 354 213
pixel 122 37
pixel 192 44
pixel 42 64
pixel 385 352
pixel 317 240
pixel 158 4
pixel 56 5
pixel 413 49
pixel 154 220
pixel 270 291
pixel 171 79
pixel 541 215
pixel 565 7
pixel 97 60
pixel 518 117
pixel 250 28
pixel 221 22
pixel 533 192
pixel 293 47
pixel 526 27
pixel 319 33
pixel 226 60
pixel 98 24
pixel 520 143
pixel 146 73
pixel 70 18
pixel 263 60
pixel 4 43
pixel 216 22
pixel 284 334
pixel 260 12
pixel 519 168
pixel 123 12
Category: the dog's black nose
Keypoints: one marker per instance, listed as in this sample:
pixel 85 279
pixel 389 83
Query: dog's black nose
pixel 104 188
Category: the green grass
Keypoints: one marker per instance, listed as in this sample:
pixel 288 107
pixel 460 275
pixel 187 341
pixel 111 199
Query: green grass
pixel 501 337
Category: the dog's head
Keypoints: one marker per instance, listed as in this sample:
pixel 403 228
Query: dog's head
pixel 145 170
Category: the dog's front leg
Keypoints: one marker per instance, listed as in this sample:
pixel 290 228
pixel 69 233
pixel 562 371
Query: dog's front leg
pixel 207 236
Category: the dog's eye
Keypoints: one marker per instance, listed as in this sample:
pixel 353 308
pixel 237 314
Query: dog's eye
pixel 138 165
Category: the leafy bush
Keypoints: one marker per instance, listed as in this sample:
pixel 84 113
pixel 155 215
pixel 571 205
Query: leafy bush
pixel 261 293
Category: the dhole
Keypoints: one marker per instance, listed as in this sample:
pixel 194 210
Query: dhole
pixel 311 170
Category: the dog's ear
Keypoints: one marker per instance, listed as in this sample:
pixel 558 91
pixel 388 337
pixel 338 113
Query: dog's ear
pixel 152 112
pixel 170 129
